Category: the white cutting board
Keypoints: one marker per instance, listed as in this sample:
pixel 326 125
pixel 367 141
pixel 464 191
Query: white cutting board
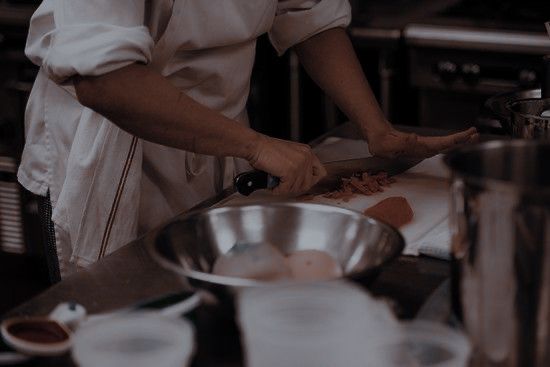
pixel 427 196
pixel 425 187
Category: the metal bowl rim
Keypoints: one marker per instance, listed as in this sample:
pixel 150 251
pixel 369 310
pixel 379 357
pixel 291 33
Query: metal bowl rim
pixel 245 283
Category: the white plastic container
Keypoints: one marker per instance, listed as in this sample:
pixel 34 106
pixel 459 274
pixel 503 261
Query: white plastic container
pixel 429 344
pixel 134 340
pixel 314 325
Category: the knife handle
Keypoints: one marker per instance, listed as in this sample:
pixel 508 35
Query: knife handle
pixel 248 182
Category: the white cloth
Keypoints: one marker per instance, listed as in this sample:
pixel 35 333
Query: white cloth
pixel 104 183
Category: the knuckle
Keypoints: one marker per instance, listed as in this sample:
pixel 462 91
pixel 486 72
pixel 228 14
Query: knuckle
pixel 304 149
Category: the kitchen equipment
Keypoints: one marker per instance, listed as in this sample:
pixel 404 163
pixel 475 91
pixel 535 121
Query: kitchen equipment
pixel 191 244
pixel 37 336
pixel 248 182
pixel 431 344
pixel 315 325
pixel 425 186
pixel 43 336
pixel 500 222
pixel 170 305
pixel 134 340
pixel 471 50
pixel 530 118
pixel 53 335
pixel 497 105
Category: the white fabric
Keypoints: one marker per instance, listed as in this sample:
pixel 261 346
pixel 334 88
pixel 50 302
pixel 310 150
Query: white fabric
pixel 99 176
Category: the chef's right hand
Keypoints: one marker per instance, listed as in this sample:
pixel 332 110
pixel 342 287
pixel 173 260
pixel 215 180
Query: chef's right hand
pixel 293 163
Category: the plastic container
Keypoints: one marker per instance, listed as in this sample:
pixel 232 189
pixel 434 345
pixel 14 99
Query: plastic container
pixel 134 340
pixel 320 324
pixel 429 344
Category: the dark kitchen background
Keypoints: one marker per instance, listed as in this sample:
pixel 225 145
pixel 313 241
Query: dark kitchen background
pixel 430 62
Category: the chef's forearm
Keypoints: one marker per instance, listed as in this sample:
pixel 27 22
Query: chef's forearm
pixel 329 58
pixel 144 103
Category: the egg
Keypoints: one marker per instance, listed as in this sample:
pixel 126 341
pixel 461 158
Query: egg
pixel 310 265
pixel 261 261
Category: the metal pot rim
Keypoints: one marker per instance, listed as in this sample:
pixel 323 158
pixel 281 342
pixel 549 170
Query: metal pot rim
pixel 503 99
pixel 496 184
pixel 509 105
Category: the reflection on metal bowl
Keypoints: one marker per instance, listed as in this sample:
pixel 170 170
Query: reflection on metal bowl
pixel 190 245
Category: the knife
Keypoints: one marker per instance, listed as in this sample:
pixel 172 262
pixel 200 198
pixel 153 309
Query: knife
pixel 248 182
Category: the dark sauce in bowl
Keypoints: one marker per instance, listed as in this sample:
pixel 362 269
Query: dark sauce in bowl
pixel 38 331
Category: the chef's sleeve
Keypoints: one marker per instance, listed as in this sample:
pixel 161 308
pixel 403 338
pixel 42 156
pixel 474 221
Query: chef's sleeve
pixel 298 20
pixel 88 37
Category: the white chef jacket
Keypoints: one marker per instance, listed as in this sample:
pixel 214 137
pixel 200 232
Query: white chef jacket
pixel 107 186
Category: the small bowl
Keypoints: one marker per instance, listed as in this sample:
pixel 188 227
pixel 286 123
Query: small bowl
pixel 43 349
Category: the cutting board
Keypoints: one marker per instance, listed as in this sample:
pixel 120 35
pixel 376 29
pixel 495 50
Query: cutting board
pixel 427 196
pixel 425 187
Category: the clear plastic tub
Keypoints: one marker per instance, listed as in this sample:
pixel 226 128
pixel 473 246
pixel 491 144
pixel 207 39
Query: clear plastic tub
pixel 429 344
pixel 134 340
pixel 321 324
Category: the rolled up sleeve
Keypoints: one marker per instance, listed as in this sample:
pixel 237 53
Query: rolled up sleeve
pixel 88 37
pixel 298 20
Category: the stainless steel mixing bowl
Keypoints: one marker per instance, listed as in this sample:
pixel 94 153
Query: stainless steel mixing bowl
pixel 190 245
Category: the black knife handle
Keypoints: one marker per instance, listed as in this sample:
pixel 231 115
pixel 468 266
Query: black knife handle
pixel 248 182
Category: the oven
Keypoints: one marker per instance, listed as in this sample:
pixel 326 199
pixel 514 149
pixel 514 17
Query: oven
pixel 470 51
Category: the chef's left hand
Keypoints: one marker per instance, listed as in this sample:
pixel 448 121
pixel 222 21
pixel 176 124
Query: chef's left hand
pixel 390 143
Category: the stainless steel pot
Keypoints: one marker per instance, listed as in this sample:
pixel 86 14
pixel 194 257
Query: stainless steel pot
pixel 500 220
pixel 190 245
pixel 530 118
pixel 498 106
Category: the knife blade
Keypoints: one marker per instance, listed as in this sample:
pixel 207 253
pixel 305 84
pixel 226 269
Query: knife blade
pixel 248 182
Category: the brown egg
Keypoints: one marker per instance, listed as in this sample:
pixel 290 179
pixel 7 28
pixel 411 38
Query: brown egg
pixel 307 265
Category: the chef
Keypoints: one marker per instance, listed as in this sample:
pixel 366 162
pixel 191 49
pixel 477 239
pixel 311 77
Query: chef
pixel 138 111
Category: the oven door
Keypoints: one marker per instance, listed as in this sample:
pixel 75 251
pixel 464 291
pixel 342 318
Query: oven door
pixel 452 85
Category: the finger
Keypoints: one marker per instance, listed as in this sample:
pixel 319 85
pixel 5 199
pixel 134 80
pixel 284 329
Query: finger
pixel 298 185
pixel 303 175
pixel 283 188
pixel 309 179
pixel 319 170
pixel 473 139
pixel 450 141
pixel 464 136
pixel 419 147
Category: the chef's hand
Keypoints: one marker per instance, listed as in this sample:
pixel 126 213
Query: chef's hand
pixel 295 164
pixel 390 143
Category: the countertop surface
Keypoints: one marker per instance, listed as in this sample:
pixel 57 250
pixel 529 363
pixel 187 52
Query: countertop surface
pixel 129 276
